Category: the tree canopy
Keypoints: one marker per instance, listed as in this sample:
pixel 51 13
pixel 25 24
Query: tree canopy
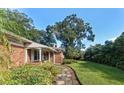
pixel 71 32
pixel 20 24
pixel 111 53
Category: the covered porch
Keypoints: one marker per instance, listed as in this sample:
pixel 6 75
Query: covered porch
pixel 35 53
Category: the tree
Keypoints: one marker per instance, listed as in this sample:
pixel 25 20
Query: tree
pixel 45 37
pixel 111 53
pixel 49 36
pixel 119 45
pixel 20 24
pixel 94 53
pixel 71 32
pixel 16 22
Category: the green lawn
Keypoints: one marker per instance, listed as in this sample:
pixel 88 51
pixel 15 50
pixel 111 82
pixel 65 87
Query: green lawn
pixel 90 73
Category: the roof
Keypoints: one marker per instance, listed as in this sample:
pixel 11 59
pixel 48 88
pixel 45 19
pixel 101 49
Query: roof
pixel 32 44
pixel 17 36
pixel 37 45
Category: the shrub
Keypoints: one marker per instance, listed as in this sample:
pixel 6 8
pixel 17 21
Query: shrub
pixel 30 75
pixel 51 67
pixel 66 61
pixel 120 65
pixel 55 70
pixel 5 77
pixel 69 61
pixel 47 65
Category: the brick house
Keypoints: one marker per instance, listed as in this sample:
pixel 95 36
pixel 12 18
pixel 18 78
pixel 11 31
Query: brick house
pixel 25 51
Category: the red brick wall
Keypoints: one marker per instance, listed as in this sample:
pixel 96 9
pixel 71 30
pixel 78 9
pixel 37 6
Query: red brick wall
pixel 59 58
pixel 29 56
pixel 17 56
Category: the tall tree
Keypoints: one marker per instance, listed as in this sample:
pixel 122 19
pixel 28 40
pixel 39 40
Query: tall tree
pixel 71 32
pixel 49 36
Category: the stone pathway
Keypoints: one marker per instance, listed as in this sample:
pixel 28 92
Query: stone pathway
pixel 66 77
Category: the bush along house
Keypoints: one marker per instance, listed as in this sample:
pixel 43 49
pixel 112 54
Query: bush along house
pixel 25 51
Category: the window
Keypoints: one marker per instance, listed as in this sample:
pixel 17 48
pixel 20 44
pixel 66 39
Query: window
pixel 45 56
pixel 36 55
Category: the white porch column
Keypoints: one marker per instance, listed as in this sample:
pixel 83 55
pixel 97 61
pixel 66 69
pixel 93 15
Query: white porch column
pixel 32 55
pixel 53 57
pixel 40 54
pixel 49 56
pixel 26 55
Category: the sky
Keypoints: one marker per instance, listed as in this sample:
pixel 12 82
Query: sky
pixel 107 23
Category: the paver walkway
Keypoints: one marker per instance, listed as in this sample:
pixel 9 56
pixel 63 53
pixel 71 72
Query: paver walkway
pixel 66 77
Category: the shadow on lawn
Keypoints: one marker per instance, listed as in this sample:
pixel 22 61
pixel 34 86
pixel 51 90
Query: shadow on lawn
pixel 107 72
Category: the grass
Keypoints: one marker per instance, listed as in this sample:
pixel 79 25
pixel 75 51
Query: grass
pixel 90 73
